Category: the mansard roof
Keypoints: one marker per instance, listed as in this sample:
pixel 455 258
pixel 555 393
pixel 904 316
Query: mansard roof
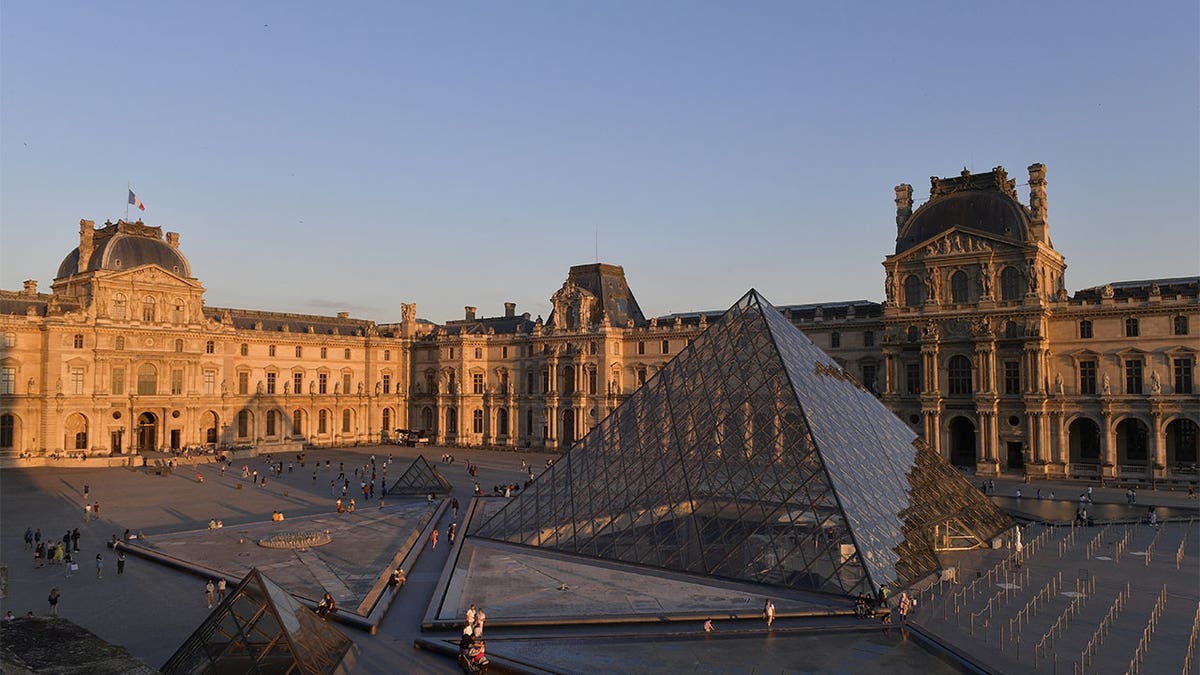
pixel 607 283
pixel 123 246
pixel 1142 289
pixel 500 325
pixel 863 309
pixel 19 302
pixel 252 319
pixel 985 202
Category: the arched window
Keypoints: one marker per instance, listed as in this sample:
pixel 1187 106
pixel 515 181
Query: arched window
pixel 322 421
pixel 8 427
pixel 387 419
pixel 148 308
pixel 271 423
pixel 345 421
pixel 147 380
pixel 477 421
pixel 914 291
pixel 243 423
pixel 958 287
pixel 120 308
pixel 959 371
pixel 209 347
pixel 1012 285
pixel 502 422
pixel 297 420
pixel 451 420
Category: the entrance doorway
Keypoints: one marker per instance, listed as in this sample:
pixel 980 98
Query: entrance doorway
pixel 962 442
pixel 1016 458
pixel 175 439
pixel 147 432
pixel 115 441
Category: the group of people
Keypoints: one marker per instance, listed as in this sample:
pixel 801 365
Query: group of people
pixel 218 587
pixel 471 648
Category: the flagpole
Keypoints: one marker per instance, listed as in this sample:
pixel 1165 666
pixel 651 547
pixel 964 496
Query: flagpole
pixel 128 189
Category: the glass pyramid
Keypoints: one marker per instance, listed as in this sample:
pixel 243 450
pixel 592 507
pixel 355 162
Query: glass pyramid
pixel 260 628
pixel 420 478
pixel 753 456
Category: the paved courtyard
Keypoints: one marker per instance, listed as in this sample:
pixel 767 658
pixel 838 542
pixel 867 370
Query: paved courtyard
pixel 152 608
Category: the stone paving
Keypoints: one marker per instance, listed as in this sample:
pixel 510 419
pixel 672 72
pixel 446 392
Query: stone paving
pixel 151 608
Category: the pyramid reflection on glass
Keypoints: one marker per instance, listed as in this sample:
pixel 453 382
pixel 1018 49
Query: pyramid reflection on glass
pixel 420 478
pixel 260 628
pixel 753 456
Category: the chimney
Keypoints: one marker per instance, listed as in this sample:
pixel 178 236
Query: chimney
pixel 510 309
pixel 470 312
pixel 903 205
pixel 31 287
pixel 173 239
pixel 343 315
pixel 86 232
pixel 1037 201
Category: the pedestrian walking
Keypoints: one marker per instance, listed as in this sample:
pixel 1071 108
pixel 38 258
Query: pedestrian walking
pixel 120 562
pixel 96 510
pixel 454 505
pixel 769 613
pixel 99 566
pixel 87 512
pixel 208 593
pixel 221 589
pixel 37 536
pixel 433 539
pixel 450 532
pixel 708 627
pixel 87 489
pixel 906 605
pixel 28 538
pixel 75 539
pixel 53 600
pixel 69 565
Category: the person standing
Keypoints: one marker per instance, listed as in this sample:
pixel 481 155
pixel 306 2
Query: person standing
pixel 120 562
pixel 68 564
pixel 99 566
pixel 905 606
pixel 75 539
pixel 480 617
pixel 221 589
pixel 769 613
pixel 450 532
pixel 87 490
pixel 28 538
pixel 53 600
pixel 470 616
pixel 208 593
pixel 87 511
pixel 454 505
pixel 433 538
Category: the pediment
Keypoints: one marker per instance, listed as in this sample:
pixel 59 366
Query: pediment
pixel 152 274
pixel 958 241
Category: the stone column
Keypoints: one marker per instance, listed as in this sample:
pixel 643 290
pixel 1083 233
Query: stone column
pixel 1158 443
pixel 1108 445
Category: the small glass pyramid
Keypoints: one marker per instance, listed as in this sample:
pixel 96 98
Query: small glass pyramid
pixel 753 456
pixel 260 628
pixel 420 478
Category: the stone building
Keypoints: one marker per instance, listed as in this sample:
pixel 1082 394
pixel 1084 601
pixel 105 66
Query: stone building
pixel 978 345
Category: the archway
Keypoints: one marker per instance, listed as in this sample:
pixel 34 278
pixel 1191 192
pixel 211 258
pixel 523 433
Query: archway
pixel 502 422
pixel 385 425
pixel 567 431
pixel 147 432
pixel 1084 439
pixel 75 433
pixel 1182 437
pixel 208 427
pixel 962 442
pixel 1133 441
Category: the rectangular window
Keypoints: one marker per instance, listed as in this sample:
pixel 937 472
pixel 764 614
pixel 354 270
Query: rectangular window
pixel 244 382
pixel 477 383
pixel 869 339
pixel 270 383
pixel 666 346
pixel 210 382
pixel 346 383
pixel 1183 376
pixel 1133 376
pixel 297 382
pixel 1085 329
pixel 545 380
pixel 1012 377
pixel 323 383
pixel 243 424
pixel 1131 327
pixel 387 383
pixel 117 384
pixel 8 381
pixel 271 351
pixel 835 340
pixel 592 381
pixel 78 341
pixel 452 352
pixel 347 354
pixel 324 352
pixel 641 347
pixel 177 381
pixel 299 351
pixel 77 380
pixel 322 421
pixel 504 352
pixel 147 381
pixel 1181 325
pixel 912 378
pixel 529 383
pixel 641 376
pixel 1087 377
pixel 345 421
pixel 270 422
pixel 387 355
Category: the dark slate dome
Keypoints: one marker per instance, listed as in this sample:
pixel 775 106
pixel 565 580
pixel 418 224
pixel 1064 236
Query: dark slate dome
pixel 981 202
pixel 123 246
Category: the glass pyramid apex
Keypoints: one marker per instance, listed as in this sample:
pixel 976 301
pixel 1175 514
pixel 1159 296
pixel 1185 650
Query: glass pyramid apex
pixel 260 628
pixel 753 456
pixel 420 478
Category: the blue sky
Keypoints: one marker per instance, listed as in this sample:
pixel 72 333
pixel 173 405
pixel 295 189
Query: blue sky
pixel 318 157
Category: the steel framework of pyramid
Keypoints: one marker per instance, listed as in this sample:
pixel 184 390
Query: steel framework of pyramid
pixel 260 628
pixel 754 456
pixel 420 478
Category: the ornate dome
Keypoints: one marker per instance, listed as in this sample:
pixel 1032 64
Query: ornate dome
pixel 983 202
pixel 122 246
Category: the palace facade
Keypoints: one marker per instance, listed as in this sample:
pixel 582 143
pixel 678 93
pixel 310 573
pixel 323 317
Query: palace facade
pixel 979 346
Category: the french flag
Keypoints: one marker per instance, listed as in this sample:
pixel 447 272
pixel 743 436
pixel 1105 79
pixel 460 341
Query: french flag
pixel 133 199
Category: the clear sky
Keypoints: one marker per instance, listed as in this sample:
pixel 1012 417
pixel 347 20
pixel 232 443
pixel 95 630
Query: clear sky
pixel 326 156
